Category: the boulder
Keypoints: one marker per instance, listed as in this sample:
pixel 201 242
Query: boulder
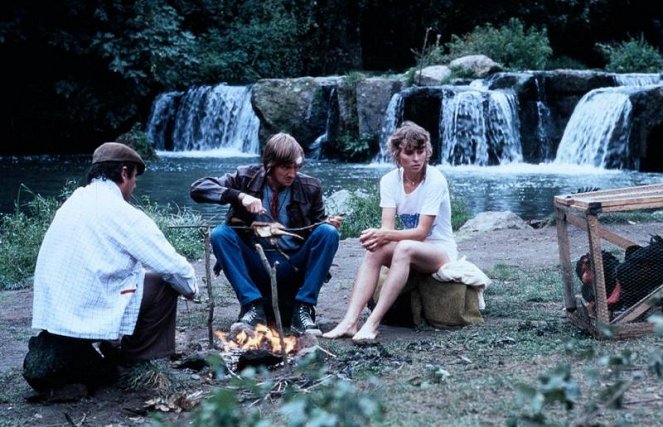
pixel 475 65
pixel 491 220
pixel 433 75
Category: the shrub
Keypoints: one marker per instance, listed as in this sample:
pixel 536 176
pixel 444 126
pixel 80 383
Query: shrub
pixel 137 139
pixel 511 45
pixel 631 56
pixel 22 232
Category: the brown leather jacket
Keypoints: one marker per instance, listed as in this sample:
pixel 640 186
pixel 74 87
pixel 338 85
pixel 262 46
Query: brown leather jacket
pixel 305 208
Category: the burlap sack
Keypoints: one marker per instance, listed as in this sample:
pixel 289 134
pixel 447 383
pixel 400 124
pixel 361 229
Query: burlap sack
pixel 437 303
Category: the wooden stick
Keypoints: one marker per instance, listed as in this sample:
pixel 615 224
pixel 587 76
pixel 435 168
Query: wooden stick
pixel 275 299
pixel 210 295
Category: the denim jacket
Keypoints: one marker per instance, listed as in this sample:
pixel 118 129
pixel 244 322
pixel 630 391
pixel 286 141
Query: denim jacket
pixel 305 208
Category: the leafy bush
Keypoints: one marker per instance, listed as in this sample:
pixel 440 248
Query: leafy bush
pixel 511 45
pixel 22 232
pixel 631 56
pixel 183 228
pixel 312 398
pixel 137 139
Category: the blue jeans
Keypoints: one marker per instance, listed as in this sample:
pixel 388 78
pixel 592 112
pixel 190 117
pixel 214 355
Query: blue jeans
pixel 301 276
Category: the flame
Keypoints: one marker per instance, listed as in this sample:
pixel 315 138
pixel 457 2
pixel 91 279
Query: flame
pixel 263 337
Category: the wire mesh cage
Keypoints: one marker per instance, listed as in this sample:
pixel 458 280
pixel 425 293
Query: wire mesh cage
pixel 612 258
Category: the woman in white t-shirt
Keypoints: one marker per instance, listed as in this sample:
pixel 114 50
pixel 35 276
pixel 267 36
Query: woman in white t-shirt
pixel 419 195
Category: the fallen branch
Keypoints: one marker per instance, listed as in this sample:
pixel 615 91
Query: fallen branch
pixel 271 269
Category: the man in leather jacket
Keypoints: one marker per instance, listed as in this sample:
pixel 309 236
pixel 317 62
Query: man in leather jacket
pixel 274 192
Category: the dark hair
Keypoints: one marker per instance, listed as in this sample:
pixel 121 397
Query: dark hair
pixel 110 170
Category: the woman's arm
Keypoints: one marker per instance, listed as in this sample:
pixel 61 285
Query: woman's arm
pixel 374 238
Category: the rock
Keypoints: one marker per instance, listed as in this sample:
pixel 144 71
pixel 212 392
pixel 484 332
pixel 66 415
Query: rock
pixel 490 220
pixel 475 65
pixel 433 75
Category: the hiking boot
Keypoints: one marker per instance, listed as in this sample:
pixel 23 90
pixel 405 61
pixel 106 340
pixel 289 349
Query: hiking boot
pixel 303 320
pixel 251 316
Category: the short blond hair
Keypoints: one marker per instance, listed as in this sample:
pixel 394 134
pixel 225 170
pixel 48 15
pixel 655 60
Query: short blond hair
pixel 282 149
pixel 409 135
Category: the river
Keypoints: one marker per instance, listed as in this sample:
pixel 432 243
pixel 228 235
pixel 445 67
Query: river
pixel 524 189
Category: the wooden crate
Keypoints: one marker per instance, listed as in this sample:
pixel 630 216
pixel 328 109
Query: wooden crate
pixel 582 210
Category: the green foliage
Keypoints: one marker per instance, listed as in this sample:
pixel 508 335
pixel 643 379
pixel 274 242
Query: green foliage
pixel 556 385
pixel 511 45
pixel 332 402
pixel 136 138
pixel 631 56
pixel 21 233
pixel 183 228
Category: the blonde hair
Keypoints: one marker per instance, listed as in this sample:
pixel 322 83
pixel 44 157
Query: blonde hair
pixel 409 136
pixel 282 149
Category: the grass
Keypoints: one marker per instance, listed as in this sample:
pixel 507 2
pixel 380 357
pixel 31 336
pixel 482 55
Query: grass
pixel 475 375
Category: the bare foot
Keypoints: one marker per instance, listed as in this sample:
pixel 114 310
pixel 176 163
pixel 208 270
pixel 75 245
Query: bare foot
pixel 343 329
pixel 366 335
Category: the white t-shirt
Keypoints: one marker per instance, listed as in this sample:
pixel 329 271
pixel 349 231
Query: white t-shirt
pixel 431 197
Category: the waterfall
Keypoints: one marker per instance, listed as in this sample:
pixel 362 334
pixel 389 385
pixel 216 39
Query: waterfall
pixel 597 133
pixel 543 124
pixel 637 79
pixel 392 117
pixel 161 121
pixel 206 118
pixel 479 127
pixel 318 147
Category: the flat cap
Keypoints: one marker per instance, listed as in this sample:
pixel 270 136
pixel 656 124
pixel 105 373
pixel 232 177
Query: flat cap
pixel 117 152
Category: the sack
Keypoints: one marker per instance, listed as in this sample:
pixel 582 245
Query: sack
pixel 440 304
pixel 445 303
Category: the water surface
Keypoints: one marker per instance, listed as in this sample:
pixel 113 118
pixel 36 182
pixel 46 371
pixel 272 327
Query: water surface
pixel 524 189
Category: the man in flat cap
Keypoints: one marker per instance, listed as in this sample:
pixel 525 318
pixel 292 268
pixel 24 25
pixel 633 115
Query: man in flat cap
pixel 91 285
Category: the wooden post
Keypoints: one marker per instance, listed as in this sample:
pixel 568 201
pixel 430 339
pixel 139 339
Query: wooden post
pixel 210 294
pixel 565 259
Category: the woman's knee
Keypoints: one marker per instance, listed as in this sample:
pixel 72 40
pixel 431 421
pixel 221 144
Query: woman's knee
pixel 404 249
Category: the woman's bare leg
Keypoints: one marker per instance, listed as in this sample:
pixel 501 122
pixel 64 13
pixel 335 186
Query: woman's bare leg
pixel 362 291
pixel 408 253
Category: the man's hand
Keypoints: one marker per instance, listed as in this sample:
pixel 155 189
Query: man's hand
pixel 252 204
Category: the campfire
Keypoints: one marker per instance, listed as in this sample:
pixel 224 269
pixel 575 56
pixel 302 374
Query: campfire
pixel 243 347
pixel 262 338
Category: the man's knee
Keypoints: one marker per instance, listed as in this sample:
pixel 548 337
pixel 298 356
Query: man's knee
pixel 222 233
pixel 327 233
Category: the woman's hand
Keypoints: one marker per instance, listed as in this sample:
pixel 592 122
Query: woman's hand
pixel 373 238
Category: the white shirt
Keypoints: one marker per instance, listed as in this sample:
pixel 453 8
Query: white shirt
pixel 431 197
pixel 89 275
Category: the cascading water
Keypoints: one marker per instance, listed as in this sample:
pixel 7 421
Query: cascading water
pixel 390 120
pixel 318 147
pixel 637 79
pixel 161 121
pixel 543 124
pixel 206 118
pixel 597 133
pixel 479 127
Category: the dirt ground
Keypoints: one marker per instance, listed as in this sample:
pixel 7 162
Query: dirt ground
pixel 522 248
